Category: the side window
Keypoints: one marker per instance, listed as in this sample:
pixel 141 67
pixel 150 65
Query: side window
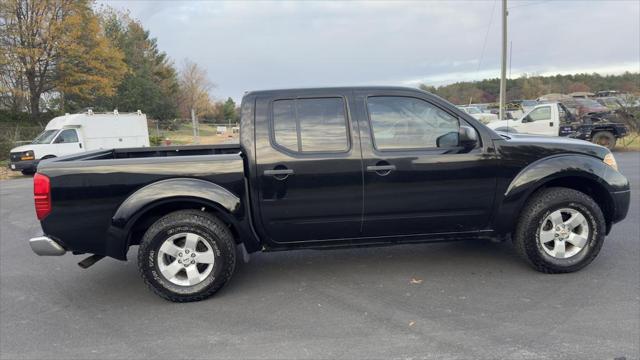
pixel 562 114
pixel 67 136
pixel 410 123
pixel 541 113
pixel 310 125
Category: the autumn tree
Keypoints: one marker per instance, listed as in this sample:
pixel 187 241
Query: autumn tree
pixel 195 87
pixel 55 46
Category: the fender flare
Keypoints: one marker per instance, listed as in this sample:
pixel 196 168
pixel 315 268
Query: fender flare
pixel 143 200
pixel 538 173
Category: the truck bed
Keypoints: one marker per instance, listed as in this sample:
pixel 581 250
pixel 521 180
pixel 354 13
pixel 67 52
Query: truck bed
pixel 157 151
pixel 88 189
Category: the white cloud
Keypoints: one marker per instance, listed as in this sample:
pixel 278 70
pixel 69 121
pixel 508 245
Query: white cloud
pixel 260 45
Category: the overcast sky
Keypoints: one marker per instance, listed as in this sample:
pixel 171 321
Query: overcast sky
pixel 263 45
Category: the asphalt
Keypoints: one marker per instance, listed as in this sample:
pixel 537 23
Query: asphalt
pixel 450 300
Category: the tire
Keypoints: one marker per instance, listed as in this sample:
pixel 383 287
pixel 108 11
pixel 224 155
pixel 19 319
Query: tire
pixel 214 240
pixel 28 172
pixel 532 231
pixel 604 138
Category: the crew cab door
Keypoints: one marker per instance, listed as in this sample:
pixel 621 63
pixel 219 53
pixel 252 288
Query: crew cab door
pixel 542 120
pixel 309 168
pixel 67 142
pixel 418 180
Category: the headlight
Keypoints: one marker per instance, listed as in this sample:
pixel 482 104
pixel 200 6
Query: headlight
pixel 611 161
pixel 27 155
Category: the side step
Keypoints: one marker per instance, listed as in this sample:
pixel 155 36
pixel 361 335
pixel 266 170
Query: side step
pixel 90 261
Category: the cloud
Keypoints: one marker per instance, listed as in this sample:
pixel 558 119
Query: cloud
pixel 261 45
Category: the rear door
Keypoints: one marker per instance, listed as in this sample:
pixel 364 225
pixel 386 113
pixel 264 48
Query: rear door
pixel 418 181
pixel 309 168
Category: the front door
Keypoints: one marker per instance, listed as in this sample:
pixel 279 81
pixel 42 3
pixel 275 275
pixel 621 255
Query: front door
pixel 418 180
pixel 67 142
pixel 309 169
pixel 539 122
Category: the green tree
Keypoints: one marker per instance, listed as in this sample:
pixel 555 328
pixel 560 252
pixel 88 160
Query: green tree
pixel 151 84
pixel 229 111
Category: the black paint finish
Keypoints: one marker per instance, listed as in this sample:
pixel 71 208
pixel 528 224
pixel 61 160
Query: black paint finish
pixel 275 199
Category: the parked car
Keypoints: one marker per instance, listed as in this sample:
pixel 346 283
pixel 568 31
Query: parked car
pixel 555 119
pixel 74 133
pixel 323 169
pixel 483 117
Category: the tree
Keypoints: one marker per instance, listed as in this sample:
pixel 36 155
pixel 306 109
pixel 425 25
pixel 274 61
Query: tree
pixel 55 46
pixel 194 90
pixel 151 84
pixel 229 111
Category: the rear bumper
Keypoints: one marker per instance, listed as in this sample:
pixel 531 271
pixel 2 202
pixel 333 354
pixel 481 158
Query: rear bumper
pixel 24 165
pixel 45 246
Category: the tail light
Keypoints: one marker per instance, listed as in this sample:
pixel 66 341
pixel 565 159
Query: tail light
pixel 42 195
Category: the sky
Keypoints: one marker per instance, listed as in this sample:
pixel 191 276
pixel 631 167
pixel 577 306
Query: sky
pixel 259 45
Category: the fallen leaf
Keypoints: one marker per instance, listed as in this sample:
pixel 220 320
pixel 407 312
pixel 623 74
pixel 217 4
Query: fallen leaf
pixel 415 281
pixel 411 323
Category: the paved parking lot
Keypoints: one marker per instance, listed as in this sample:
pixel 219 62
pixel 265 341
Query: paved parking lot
pixel 466 300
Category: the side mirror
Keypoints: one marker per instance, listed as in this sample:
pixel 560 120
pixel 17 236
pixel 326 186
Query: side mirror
pixel 526 119
pixel 468 137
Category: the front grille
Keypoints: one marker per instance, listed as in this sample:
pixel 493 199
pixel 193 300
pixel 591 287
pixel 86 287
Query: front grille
pixel 15 157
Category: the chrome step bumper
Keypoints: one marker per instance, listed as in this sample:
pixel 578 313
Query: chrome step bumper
pixel 45 246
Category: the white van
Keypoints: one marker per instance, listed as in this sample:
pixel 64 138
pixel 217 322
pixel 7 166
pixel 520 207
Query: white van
pixel 74 133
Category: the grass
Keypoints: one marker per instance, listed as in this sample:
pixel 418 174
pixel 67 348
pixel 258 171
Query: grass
pixel 184 135
pixel 630 142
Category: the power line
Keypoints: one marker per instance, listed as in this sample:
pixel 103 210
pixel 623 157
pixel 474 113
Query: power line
pixel 528 4
pixel 486 35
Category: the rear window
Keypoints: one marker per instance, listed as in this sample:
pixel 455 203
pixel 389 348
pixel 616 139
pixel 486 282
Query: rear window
pixel 310 125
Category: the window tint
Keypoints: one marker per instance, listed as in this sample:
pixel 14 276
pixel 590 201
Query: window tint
pixel 541 113
pixel 67 136
pixel 410 123
pixel 320 123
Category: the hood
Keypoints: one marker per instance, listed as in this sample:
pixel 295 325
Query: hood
pixel 550 145
pixel 26 147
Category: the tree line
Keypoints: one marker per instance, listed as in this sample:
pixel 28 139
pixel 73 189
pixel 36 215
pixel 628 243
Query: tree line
pixel 60 56
pixel 533 86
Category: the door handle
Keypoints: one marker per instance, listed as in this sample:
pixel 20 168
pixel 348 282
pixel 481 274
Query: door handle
pixel 382 168
pixel 279 174
pixel 551 124
pixel 377 168
pixel 80 145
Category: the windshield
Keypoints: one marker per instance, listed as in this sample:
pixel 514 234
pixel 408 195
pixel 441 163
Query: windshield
pixel 473 110
pixel 45 137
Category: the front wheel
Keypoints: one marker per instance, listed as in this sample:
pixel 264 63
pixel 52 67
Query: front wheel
pixel 187 255
pixel 560 230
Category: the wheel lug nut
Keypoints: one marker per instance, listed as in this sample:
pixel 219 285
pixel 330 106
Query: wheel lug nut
pixel 179 261
pixel 186 251
pixel 193 261
pixel 193 255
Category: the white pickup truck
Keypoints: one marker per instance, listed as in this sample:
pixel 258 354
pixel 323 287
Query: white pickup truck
pixel 554 119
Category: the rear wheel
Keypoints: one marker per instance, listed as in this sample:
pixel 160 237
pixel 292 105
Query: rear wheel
pixel 560 230
pixel 604 138
pixel 28 172
pixel 187 255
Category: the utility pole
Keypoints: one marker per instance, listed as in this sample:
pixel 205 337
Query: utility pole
pixel 194 123
pixel 503 70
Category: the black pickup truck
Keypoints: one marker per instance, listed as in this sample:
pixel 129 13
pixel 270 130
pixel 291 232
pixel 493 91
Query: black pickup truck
pixel 329 168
